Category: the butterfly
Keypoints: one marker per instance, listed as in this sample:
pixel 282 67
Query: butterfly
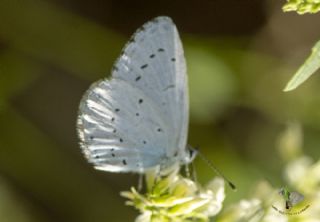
pixel 138 119
pixel 291 198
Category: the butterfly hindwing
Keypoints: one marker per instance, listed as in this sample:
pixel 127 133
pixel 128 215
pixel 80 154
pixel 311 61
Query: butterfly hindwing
pixel 120 128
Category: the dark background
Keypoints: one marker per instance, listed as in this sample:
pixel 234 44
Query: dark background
pixel 240 54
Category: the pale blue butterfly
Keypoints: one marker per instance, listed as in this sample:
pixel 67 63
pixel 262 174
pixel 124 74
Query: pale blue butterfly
pixel 138 119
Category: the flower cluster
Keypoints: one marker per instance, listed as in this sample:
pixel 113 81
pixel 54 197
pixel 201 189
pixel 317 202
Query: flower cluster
pixel 302 6
pixel 176 198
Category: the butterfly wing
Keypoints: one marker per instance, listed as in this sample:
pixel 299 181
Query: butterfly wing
pixel 295 198
pixel 138 119
pixel 153 61
pixel 119 128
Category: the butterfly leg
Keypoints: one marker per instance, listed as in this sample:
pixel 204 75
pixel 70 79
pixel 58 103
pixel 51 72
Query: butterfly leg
pixel 194 172
pixel 187 170
pixel 140 182
pixel 157 177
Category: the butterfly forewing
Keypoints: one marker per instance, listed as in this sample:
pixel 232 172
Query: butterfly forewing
pixel 295 198
pixel 153 61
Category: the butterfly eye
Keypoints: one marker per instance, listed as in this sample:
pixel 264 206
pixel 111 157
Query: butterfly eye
pixel 192 153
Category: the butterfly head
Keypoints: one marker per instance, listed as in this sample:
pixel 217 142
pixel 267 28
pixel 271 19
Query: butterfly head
pixel 190 154
pixel 285 193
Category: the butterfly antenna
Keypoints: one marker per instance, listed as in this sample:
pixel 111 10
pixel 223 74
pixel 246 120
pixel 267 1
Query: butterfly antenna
pixel 215 169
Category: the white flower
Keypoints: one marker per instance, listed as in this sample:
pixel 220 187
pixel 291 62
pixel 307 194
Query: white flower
pixel 257 209
pixel 245 210
pixel 304 174
pixel 176 198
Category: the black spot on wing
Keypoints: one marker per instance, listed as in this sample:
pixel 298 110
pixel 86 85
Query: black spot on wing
pixel 95 156
pixel 173 59
pixel 140 101
pixel 144 66
pixel 121 140
pixel 152 56
pixel 160 50
pixel 138 78
pixel 169 87
pixel 117 110
pixel 98 95
pixel 124 162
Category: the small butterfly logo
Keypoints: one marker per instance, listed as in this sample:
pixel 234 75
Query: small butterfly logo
pixel 291 198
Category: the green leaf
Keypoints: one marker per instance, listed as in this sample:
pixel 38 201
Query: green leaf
pixel 310 66
pixel 302 6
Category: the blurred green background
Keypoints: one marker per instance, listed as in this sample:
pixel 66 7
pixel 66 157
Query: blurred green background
pixel 240 54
